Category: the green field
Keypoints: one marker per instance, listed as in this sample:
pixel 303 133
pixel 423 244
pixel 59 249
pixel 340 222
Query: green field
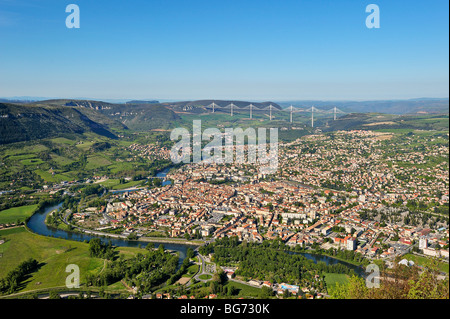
pixel 96 162
pixel 60 159
pixel 245 290
pixel 53 254
pixel 14 214
pixel 32 161
pixel 114 183
pixel 424 261
pixel 332 279
pixel 205 277
pixel 191 270
pixel 120 166
pixel 45 175
pixel 63 140
pixel 126 185
pixel 85 145
pixel 110 182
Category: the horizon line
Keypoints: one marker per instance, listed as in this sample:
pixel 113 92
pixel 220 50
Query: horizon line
pixel 35 98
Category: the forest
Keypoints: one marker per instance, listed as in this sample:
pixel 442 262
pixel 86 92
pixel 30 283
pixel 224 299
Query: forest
pixel 11 282
pixel 269 261
pixel 144 271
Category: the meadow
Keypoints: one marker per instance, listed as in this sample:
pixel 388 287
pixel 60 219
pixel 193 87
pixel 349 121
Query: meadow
pixel 53 255
pixel 12 215
pixel 332 279
pixel 245 291
pixel 425 261
pixel 47 161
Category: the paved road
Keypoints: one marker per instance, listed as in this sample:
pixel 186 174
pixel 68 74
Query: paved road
pixel 204 270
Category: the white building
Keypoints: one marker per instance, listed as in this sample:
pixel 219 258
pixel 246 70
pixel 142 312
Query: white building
pixel 431 252
pixel 423 243
pixel 207 230
pixel 351 244
pixel 406 262
pixel 326 230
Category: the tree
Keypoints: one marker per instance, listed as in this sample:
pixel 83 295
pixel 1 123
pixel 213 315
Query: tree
pixel 402 282
pixel 266 292
pixel 354 289
pixel 101 250
pixel 214 286
pixel 220 277
pixel 157 182
pixel 428 286
pixel 54 295
pixel 95 247
pixel 190 253
pixel 232 290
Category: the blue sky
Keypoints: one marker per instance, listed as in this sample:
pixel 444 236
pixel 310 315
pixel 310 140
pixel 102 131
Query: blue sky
pixel 235 49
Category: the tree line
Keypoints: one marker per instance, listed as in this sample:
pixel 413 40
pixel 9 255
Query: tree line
pixel 269 261
pixel 143 270
pixel 10 283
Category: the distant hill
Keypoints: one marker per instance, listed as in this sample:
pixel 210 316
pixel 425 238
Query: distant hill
pixel 136 115
pixel 403 106
pixel 143 117
pixel 28 122
pixel 96 105
pixel 376 121
pixel 142 102
pixel 419 105
pixel 16 101
pixel 49 118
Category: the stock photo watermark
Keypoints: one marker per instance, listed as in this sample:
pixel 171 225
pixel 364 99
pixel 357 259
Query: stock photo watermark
pixel 73 279
pixel 373 19
pixel 227 147
pixel 373 279
pixel 73 19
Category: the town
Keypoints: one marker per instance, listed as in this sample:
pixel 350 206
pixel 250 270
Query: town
pixel 375 195
pixel 344 190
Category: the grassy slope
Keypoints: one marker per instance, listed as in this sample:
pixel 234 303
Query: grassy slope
pixel 30 122
pixel 332 279
pixel 61 156
pixel 54 254
pixel 424 261
pixel 390 122
pixel 245 290
pixel 11 215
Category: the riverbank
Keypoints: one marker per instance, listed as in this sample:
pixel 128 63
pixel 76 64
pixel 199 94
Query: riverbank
pixel 36 224
pixel 196 242
pixel 161 174
pixel 124 190
pixel 80 230
pixel 330 260
pixel 354 263
pixel 53 255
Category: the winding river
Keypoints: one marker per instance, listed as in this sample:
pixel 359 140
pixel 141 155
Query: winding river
pixel 359 270
pixel 37 224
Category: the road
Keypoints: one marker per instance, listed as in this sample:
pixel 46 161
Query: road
pixel 203 270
